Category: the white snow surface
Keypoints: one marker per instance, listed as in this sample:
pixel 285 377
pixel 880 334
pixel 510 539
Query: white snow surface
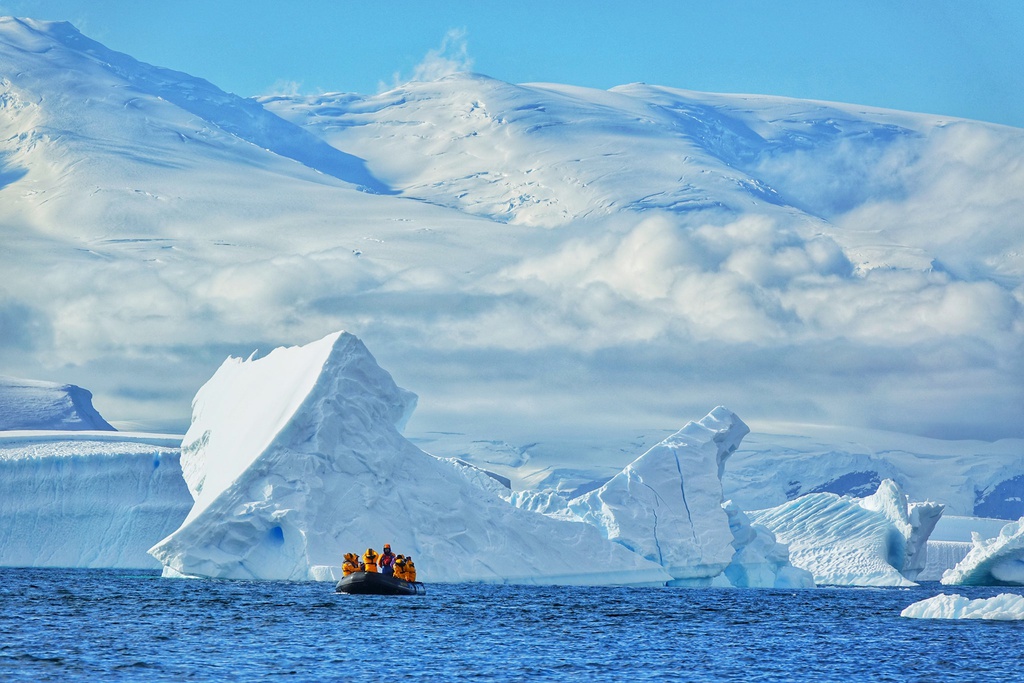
pixel 879 540
pixel 994 561
pixel 296 458
pixel 666 505
pixel 1002 607
pixel 35 405
pixel 87 499
pixel 971 478
pixel 633 254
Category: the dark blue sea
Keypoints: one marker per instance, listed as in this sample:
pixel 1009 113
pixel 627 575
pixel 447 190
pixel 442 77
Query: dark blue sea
pixel 100 625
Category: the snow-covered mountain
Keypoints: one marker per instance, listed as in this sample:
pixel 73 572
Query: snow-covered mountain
pixel 563 270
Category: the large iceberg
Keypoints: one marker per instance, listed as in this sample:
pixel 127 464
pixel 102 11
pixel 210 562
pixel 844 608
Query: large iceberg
pixel 87 499
pixel 879 540
pixel 296 458
pixel 667 504
pixel 995 561
pixel 27 404
pixel 1002 607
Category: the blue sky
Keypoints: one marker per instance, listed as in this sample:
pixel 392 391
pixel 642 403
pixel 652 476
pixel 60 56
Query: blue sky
pixel 937 56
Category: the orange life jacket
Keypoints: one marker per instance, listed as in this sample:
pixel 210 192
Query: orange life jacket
pixel 370 560
pixel 350 565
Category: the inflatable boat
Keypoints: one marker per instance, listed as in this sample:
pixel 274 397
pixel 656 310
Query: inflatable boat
pixel 372 583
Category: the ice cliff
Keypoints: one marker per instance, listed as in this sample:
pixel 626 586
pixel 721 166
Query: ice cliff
pixel 760 560
pixel 666 505
pixel 32 404
pixel 87 499
pixel 879 540
pixel 995 561
pixel 295 458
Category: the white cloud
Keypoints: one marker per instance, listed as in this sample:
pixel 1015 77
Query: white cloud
pixel 284 88
pixel 450 57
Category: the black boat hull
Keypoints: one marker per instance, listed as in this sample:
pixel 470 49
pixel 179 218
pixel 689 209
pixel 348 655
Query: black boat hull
pixel 372 583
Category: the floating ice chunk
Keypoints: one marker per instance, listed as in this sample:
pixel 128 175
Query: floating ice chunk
pixel 1002 607
pixel 296 458
pixel 950 542
pixel 667 504
pixel 996 561
pixel 760 561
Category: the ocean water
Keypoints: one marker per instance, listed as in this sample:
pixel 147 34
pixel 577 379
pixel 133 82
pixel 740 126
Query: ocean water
pixel 101 625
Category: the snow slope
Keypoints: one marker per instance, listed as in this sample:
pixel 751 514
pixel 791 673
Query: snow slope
pixel 184 207
pixel 296 458
pixel 971 478
pixel 562 269
pixel 87 499
pixel 32 404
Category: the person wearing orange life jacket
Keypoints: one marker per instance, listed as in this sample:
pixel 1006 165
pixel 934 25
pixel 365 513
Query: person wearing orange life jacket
pixel 400 568
pixel 387 560
pixel 370 560
pixel 350 565
pixel 410 569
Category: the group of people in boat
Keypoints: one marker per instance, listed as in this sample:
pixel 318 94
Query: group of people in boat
pixel 399 566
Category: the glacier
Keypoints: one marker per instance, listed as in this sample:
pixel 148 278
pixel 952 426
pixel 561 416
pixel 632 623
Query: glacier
pixel 88 499
pixel 973 478
pixel 878 540
pixel 996 561
pixel 666 505
pixel 950 542
pixel 1002 607
pixel 296 458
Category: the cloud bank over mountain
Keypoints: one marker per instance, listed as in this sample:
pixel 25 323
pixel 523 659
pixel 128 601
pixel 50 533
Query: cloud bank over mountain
pixel 535 261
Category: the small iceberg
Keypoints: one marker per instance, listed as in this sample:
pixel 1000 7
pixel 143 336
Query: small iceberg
pixel 995 561
pixel 1003 607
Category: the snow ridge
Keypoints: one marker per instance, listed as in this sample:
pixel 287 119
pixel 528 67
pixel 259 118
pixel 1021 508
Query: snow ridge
pixel 55 42
pixel 35 405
